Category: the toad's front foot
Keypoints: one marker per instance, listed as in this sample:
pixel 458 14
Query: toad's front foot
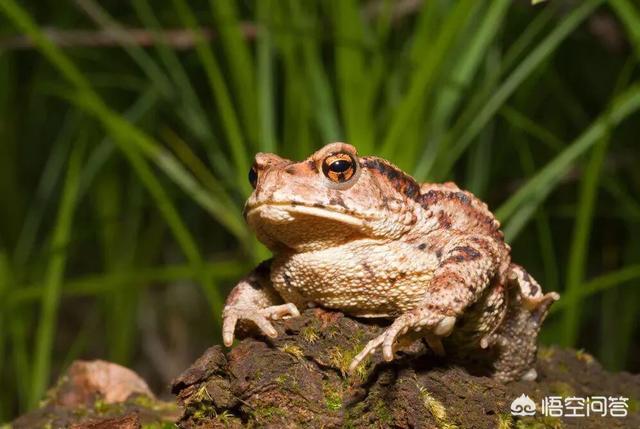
pixel 260 316
pixel 435 326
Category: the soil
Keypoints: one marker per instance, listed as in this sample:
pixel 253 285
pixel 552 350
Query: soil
pixel 299 380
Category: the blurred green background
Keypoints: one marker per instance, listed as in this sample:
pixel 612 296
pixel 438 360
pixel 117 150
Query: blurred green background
pixel 127 130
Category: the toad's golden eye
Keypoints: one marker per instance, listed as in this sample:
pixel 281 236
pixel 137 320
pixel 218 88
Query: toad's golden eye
pixel 339 167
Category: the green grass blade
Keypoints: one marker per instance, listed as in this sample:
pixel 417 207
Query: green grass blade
pixel 221 95
pixel 589 187
pixel 596 285
pixel 296 136
pixel 424 78
pixel 528 36
pixel 46 330
pixel 139 55
pixel 580 241
pixel 99 156
pixel 4 287
pixel 239 60
pixel 630 17
pixel 465 133
pixel 543 228
pixel 325 112
pixel 264 69
pixel 51 173
pixel 127 134
pixel 539 133
pixel 93 285
pixel 124 134
pixel 131 140
pixel 463 70
pixel 539 186
pixel 350 73
pixel 192 114
pixel 199 170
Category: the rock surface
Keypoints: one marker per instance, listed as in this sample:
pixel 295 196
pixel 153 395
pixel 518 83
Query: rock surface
pixel 299 380
pixel 100 395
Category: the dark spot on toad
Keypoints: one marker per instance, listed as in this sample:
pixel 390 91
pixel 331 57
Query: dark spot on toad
pixel 401 182
pixel 368 269
pixel 422 246
pixel 444 220
pixel 287 280
pixel 468 252
pixel 337 201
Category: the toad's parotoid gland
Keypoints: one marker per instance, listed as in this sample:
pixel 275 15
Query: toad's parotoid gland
pixel 358 235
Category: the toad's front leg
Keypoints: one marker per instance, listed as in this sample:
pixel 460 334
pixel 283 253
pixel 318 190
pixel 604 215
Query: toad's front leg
pixel 254 299
pixel 466 267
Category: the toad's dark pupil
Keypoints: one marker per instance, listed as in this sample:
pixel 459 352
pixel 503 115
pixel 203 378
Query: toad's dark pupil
pixel 340 166
pixel 253 177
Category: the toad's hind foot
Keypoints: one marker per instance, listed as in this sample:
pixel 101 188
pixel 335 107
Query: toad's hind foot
pixel 435 326
pixel 531 292
pixel 516 338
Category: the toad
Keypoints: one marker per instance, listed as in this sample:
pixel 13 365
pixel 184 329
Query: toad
pixel 357 234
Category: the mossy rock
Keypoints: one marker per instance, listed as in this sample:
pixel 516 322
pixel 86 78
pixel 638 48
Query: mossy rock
pixel 299 380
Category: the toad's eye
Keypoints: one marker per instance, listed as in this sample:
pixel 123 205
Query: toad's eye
pixel 339 167
pixel 253 176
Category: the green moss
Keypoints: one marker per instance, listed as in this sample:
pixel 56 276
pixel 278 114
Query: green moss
pixel 79 411
pixel 353 412
pixel 144 401
pixel 200 405
pixel 505 421
pixel 225 417
pixel 266 413
pixel 159 425
pixel 332 331
pixel 585 357
pixel 540 423
pixel 292 350
pixel 342 358
pixel 309 334
pixel 561 388
pixel 333 400
pixel 281 379
pixel 545 353
pixel 436 409
pixel 102 407
pixel 382 412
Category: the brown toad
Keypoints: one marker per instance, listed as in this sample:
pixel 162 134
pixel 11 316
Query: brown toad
pixel 358 235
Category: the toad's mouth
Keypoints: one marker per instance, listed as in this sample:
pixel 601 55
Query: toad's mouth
pixel 283 213
pixel 305 227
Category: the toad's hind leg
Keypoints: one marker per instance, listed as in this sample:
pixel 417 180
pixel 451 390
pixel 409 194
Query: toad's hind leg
pixel 516 340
